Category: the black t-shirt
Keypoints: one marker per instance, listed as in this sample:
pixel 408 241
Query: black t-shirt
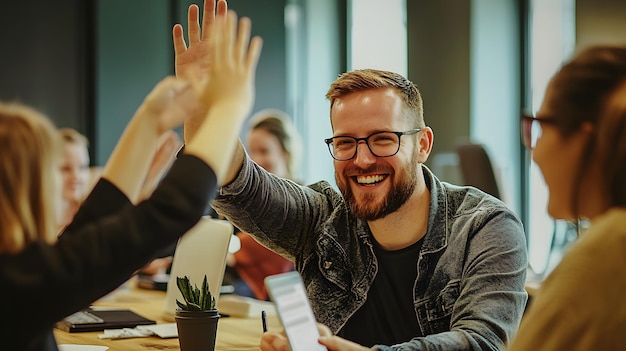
pixel 388 315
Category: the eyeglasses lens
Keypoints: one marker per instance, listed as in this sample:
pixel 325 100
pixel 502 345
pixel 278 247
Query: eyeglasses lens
pixel 531 129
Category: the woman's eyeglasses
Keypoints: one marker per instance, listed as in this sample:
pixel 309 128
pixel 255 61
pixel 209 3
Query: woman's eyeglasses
pixel 531 129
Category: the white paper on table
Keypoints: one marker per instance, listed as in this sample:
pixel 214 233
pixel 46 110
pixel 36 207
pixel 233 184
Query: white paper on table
pixel 125 333
pixel 71 347
pixel 164 330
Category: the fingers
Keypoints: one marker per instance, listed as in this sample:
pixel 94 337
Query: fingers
pixel 254 51
pixel 222 8
pixel 177 38
pixel 164 89
pixel 245 50
pixel 230 30
pixel 216 39
pixel 162 94
pixel 168 142
pixel 335 343
pixel 221 36
pixel 231 72
pixel 193 24
pixel 272 341
pixel 243 39
pixel 180 106
pixel 208 15
pixel 324 330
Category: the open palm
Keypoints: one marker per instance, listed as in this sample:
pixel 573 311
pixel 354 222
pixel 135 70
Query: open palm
pixel 195 57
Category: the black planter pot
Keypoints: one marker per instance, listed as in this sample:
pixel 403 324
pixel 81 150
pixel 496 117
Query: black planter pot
pixel 197 330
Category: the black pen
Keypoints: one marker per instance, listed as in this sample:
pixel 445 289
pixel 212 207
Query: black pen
pixel 264 320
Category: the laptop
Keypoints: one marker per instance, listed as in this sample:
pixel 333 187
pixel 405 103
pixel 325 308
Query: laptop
pixel 201 251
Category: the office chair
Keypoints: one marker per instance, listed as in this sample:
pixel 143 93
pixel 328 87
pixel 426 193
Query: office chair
pixel 476 168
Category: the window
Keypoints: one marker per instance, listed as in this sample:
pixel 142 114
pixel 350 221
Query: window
pixel 552 41
pixel 377 35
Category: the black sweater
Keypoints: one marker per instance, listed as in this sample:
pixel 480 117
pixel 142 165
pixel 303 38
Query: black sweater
pixel 108 240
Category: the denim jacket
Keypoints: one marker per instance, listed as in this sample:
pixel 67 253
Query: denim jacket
pixel 469 291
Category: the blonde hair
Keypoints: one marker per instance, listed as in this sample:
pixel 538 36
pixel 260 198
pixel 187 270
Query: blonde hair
pixel 72 136
pixel 278 123
pixel 29 160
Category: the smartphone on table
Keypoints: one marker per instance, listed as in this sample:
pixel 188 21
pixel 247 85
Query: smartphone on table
pixel 294 310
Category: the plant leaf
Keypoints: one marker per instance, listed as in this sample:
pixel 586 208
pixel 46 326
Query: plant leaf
pixel 196 299
pixel 194 307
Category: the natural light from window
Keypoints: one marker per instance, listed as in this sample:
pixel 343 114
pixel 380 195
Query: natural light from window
pixel 552 42
pixel 377 35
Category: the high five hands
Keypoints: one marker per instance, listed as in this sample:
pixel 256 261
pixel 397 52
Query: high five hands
pixel 195 58
pixel 232 64
pixel 220 63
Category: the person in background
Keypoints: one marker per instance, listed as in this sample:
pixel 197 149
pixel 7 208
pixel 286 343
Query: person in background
pixel 75 173
pixel 79 178
pixel 45 277
pixel 578 141
pixel 272 143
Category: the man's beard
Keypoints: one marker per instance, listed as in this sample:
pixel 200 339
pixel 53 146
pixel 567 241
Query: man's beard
pixel 401 190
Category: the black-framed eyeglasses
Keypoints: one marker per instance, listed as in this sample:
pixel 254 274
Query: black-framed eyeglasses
pixel 531 129
pixel 381 144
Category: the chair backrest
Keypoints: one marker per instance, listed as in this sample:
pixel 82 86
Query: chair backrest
pixel 202 250
pixel 477 169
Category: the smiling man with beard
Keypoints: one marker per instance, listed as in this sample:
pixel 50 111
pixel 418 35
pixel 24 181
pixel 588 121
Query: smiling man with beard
pixel 399 260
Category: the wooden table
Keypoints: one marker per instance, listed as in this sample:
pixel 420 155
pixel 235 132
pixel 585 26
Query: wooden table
pixel 233 334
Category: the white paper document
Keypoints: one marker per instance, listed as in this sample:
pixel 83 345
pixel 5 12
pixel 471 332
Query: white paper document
pixel 164 330
pixel 71 347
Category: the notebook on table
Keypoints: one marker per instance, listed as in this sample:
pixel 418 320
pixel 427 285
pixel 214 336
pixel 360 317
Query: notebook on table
pixel 98 320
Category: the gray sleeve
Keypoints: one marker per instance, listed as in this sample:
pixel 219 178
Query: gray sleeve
pixel 278 212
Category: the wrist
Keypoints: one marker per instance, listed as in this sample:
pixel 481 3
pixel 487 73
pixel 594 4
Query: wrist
pixel 148 120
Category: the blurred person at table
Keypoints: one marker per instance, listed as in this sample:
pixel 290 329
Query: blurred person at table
pixel 274 144
pixel 75 173
pixel 79 178
pixel 578 141
pixel 45 277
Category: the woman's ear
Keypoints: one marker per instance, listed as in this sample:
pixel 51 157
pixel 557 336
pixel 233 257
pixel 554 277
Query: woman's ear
pixel 424 144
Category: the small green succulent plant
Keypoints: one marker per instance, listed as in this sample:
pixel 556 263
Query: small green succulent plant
pixel 196 299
